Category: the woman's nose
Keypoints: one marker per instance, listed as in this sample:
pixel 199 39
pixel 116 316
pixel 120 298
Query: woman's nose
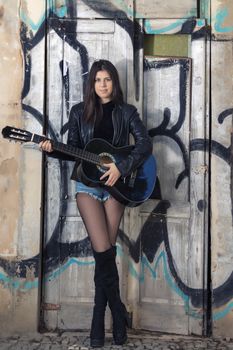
pixel 103 83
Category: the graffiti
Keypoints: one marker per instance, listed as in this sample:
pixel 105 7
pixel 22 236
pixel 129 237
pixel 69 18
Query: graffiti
pixel 195 27
pixel 154 235
pixel 162 129
pixel 191 25
pixel 221 16
pixel 119 9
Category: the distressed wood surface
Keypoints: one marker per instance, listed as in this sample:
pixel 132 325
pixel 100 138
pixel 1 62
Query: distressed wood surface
pixel 164 92
pixel 183 223
pixel 172 26
pixel 127 9
pixel 164 9
pixel 221 175
pixel 199 171
pixel 161 96
pixel 165 81
pixel 94 26
pixel 95 8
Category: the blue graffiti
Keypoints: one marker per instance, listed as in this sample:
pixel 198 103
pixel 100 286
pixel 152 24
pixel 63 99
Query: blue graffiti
pixel 146 266
pixel 221 314
pixel 150 30
pixel 220 18
pixel 34 26
pixel 60 12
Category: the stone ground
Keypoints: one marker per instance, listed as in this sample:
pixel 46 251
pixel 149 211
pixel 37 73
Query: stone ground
pixel 136 341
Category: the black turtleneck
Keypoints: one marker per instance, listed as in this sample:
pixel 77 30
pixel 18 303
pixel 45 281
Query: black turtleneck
pixel 104 129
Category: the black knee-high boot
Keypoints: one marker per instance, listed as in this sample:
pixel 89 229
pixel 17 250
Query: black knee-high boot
pixel 97 333
pixel 110 282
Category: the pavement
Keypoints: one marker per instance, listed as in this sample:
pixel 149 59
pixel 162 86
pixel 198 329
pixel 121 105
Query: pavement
pixel 136 341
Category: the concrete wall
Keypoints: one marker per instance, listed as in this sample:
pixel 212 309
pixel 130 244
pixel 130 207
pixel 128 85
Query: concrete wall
pixel 20 169
pixel 21 100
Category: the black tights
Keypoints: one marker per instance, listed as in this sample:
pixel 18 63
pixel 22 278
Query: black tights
pixel 101 219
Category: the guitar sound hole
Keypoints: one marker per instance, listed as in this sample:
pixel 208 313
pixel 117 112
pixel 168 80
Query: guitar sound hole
pixel 105 158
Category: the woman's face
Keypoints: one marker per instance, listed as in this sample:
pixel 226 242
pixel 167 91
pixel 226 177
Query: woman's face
pixel 103 86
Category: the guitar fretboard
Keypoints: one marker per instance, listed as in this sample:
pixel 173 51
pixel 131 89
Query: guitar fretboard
pixel 69 150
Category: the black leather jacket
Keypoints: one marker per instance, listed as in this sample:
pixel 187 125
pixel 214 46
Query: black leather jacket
pixel 126 121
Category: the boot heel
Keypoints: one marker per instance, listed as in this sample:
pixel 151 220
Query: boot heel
pixel 97 343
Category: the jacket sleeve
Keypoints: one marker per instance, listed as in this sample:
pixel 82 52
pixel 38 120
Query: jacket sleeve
pixel 142 148
pixel 73 136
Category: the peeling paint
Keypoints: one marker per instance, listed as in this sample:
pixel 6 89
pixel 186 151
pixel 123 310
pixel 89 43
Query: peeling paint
pixel 8 166
pixel 9 205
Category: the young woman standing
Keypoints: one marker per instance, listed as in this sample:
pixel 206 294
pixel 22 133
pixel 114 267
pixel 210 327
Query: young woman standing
pixel 105 115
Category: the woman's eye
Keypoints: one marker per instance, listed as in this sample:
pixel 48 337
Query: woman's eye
pixel 99 80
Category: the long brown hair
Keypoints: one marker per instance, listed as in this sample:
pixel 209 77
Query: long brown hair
pixel 92 105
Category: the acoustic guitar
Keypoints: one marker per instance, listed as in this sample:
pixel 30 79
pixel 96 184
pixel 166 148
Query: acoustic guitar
pixel 132 190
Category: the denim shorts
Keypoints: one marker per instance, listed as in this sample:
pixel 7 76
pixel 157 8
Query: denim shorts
pixel 97 192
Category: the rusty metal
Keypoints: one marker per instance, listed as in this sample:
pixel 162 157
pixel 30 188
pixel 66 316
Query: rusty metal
pixel 51 307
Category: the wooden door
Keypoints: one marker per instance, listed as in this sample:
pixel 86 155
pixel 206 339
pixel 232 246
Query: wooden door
pixel 162 244
pixel 167 110
pixel 167 235
pixel 73 45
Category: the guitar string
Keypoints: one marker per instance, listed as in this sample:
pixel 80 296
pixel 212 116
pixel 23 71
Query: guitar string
pixel 70 150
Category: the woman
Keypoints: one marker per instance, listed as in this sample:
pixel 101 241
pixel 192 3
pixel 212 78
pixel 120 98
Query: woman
pixel 104 114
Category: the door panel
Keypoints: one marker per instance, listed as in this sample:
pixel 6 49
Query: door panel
pixel 172 243
pixel 160 9
pixel 69 266
pixel 167 84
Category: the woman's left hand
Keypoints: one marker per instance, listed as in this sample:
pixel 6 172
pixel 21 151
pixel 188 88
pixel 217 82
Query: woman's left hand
pixel 113 174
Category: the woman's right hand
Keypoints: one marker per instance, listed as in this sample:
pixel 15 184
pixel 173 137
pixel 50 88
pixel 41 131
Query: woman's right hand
pixel 46 146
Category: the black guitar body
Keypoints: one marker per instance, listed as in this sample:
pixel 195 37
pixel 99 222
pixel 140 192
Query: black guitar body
pixel 132 190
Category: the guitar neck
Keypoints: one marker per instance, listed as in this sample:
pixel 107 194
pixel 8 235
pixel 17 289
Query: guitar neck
pixel 69 150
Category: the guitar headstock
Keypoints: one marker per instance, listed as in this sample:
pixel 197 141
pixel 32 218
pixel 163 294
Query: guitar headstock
pixel 20 135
